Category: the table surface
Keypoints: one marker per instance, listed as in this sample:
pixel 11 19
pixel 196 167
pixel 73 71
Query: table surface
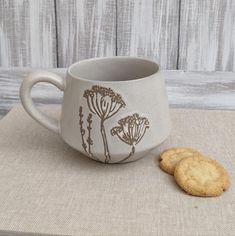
pixel 210 90
pixel 49 188
pixel 203 90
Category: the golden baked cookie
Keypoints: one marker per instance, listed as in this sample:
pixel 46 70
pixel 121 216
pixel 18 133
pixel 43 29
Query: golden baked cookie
pixel 170 157
pixel 201 177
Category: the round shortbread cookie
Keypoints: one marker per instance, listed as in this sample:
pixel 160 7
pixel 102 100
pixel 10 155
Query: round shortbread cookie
pixel 170 157
pixel 201 177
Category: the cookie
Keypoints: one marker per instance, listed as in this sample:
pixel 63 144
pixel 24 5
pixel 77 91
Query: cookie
pixel 169 158
pixel 201 177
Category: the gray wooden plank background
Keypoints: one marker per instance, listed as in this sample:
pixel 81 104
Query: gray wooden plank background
pixel 190 35
pixel 207 35
pixel 149 29
pixel 27 33
pixel 85 29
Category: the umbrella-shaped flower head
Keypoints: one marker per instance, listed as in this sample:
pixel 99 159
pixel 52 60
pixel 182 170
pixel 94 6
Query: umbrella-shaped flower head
pixel 131 129
pixel 103 101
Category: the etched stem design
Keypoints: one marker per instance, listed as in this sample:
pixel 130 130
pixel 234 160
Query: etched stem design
pixel 106 148
pixel 83 132
pixel 89 128
pixel 126 158
pixel 131 130
pixel 105 103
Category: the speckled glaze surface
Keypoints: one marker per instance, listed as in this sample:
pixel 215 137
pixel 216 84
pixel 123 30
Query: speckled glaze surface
pixel 114 109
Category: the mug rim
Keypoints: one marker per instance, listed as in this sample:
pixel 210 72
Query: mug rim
pixel 69 72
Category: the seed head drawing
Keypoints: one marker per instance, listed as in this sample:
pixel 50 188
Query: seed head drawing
pixel 105 103
pixel 86 146
pixel 131 130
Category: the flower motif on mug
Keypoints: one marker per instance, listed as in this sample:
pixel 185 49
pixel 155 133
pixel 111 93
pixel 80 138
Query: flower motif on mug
pixel 103 101
pixel 131 129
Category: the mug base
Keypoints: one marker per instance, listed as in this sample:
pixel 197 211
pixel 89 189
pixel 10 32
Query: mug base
pixel 137 157
pixel 120 159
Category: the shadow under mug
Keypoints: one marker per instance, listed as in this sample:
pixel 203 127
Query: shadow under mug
pixel 114 109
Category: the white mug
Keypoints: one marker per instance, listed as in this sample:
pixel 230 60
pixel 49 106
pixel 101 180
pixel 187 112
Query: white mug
pixel 114 109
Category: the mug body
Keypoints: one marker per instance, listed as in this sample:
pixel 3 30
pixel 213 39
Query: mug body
pixel 115 109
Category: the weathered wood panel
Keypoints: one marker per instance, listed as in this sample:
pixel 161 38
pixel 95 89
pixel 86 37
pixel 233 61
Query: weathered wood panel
pixel 212 90
pixel 207 35
pixel 27 33
pixel 86 28
pixel 203 90
pixel 149 29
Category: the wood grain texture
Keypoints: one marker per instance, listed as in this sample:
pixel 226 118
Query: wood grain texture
pixel 203 90
pixel 27 33
pixel 197 35
pixel 86 28
pixel 207 35
pixel 149 29
pixel 211 90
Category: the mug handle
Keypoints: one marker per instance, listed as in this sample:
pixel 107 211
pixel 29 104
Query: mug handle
pixel 26 99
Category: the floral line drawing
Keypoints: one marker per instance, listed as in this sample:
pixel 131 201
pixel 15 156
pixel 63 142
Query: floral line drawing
pixel 83 132
pixel 89 128
pixel 105 103
pixel 131 130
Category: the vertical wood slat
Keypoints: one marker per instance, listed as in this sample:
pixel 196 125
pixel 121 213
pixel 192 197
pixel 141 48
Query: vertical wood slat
pixel 27 33
pixel 86 28
pixel 149 29
pixel 207 35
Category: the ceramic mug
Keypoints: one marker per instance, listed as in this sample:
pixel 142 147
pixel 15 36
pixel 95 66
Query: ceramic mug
pixel 114 109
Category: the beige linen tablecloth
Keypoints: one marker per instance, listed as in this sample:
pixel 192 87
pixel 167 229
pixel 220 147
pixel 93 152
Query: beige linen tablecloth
pixel 47 187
